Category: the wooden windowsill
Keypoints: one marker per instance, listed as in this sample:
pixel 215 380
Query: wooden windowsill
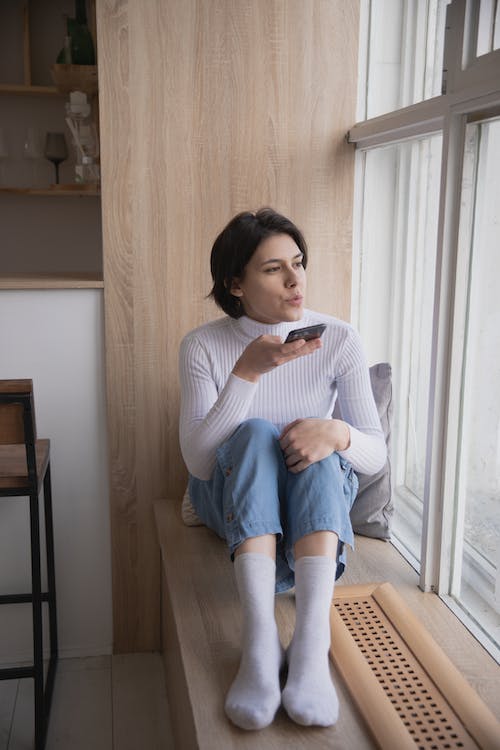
pixel 201 623
pixel 51 281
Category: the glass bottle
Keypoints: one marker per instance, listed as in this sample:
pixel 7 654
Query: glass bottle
pixel 82 44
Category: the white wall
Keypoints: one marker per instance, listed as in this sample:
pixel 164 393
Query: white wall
pixel 55 337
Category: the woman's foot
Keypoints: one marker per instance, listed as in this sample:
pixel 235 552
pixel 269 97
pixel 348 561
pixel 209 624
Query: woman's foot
pixel 254 696
pixel 309 696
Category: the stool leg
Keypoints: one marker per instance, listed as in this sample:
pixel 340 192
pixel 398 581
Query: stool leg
pixel 37 622
pixel 51 588
pixel 51 575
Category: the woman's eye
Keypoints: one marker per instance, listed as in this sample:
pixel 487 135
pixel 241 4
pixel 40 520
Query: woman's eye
pixel 272 269
pixel 299 264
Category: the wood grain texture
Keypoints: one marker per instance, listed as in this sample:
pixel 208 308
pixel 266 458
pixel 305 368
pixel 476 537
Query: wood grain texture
pixel 131 600
pixel 206 109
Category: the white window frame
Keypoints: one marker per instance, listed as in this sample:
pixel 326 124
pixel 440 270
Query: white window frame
pixel 471 88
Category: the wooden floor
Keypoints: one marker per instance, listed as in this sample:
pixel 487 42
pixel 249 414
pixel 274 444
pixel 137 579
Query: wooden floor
pixel 99 703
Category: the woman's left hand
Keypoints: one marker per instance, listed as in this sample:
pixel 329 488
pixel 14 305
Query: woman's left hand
pixel 306 441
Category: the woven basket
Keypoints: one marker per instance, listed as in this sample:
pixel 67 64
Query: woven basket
pixel 69 78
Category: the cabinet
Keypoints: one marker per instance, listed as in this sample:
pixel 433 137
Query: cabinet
pixel 45 228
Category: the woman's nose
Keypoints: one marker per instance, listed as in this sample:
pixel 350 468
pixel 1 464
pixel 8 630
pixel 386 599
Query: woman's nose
pixel 291 279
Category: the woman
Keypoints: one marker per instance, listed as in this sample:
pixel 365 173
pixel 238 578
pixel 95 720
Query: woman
pixel 270 470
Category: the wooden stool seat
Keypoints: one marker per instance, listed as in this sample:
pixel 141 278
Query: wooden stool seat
pixel 13 467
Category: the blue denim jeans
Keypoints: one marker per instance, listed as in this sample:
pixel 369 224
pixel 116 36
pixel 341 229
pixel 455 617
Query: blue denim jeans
pixel 252 493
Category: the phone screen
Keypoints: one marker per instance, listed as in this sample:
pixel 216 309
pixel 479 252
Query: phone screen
pixel 310 332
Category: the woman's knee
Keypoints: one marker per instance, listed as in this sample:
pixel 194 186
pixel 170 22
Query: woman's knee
pixel 257 429
pixel 255 451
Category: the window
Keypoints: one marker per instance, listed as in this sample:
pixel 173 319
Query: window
pixel 405 61
pixel 396 298
pixel 426 295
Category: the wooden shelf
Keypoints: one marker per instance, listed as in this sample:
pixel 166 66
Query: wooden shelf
pixel 68 78
pixel 51 281
pixel 18 88
pixel 75 192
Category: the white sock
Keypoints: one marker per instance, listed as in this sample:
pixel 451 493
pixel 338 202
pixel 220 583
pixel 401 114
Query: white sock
pixel 309 696
pixel 255 696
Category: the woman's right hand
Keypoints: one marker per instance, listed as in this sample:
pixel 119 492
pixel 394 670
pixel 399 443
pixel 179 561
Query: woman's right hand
pixel 265 353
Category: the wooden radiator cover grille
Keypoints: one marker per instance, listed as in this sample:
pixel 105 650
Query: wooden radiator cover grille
pixel 421 707
pixel 407 689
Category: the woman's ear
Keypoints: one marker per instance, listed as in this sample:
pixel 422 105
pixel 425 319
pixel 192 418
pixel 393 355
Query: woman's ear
pixel 235 288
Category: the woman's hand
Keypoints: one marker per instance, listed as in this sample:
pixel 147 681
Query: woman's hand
pixel 267 352
pixel 306 441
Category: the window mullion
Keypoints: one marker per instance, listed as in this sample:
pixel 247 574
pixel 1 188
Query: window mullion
pixel 454 484
pixel 410 122
pixel 436 506
pixel 399 344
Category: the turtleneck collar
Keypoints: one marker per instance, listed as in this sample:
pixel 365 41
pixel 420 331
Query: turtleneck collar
pixel 250 329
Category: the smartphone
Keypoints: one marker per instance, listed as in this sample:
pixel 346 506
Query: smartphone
pixel 310 332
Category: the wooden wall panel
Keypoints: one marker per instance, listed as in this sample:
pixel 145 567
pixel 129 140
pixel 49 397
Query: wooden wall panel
pixel 207 107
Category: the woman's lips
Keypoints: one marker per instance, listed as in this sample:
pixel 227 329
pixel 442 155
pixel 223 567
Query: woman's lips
pixel 295 301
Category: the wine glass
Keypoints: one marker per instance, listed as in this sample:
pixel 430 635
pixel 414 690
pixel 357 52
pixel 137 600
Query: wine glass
pixel 33 151
pixel 4 152
pixel 56 150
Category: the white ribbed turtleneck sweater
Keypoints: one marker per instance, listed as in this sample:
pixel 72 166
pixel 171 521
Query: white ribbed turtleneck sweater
pixel 214 402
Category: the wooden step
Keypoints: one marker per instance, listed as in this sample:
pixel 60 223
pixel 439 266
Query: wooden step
pixel 201 626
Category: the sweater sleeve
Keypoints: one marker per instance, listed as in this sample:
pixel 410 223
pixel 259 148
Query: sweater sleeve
pixel 367 451
pixel 207 417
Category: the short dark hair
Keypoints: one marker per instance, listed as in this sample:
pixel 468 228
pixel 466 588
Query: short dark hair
pixel 236 244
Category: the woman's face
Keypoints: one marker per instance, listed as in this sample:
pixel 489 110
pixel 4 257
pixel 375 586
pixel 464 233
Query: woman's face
pixel 273 285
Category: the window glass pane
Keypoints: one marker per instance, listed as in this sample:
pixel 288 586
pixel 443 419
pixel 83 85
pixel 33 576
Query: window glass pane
pixel 475 577
pixel 396 293
pixel 488 31
pixel 405 53
pixel 496 28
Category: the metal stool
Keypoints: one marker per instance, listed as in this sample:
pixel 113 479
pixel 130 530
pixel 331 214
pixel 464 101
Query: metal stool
pixel 24 470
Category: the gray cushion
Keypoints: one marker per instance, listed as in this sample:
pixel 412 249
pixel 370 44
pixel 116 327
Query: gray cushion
pixel 372 510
